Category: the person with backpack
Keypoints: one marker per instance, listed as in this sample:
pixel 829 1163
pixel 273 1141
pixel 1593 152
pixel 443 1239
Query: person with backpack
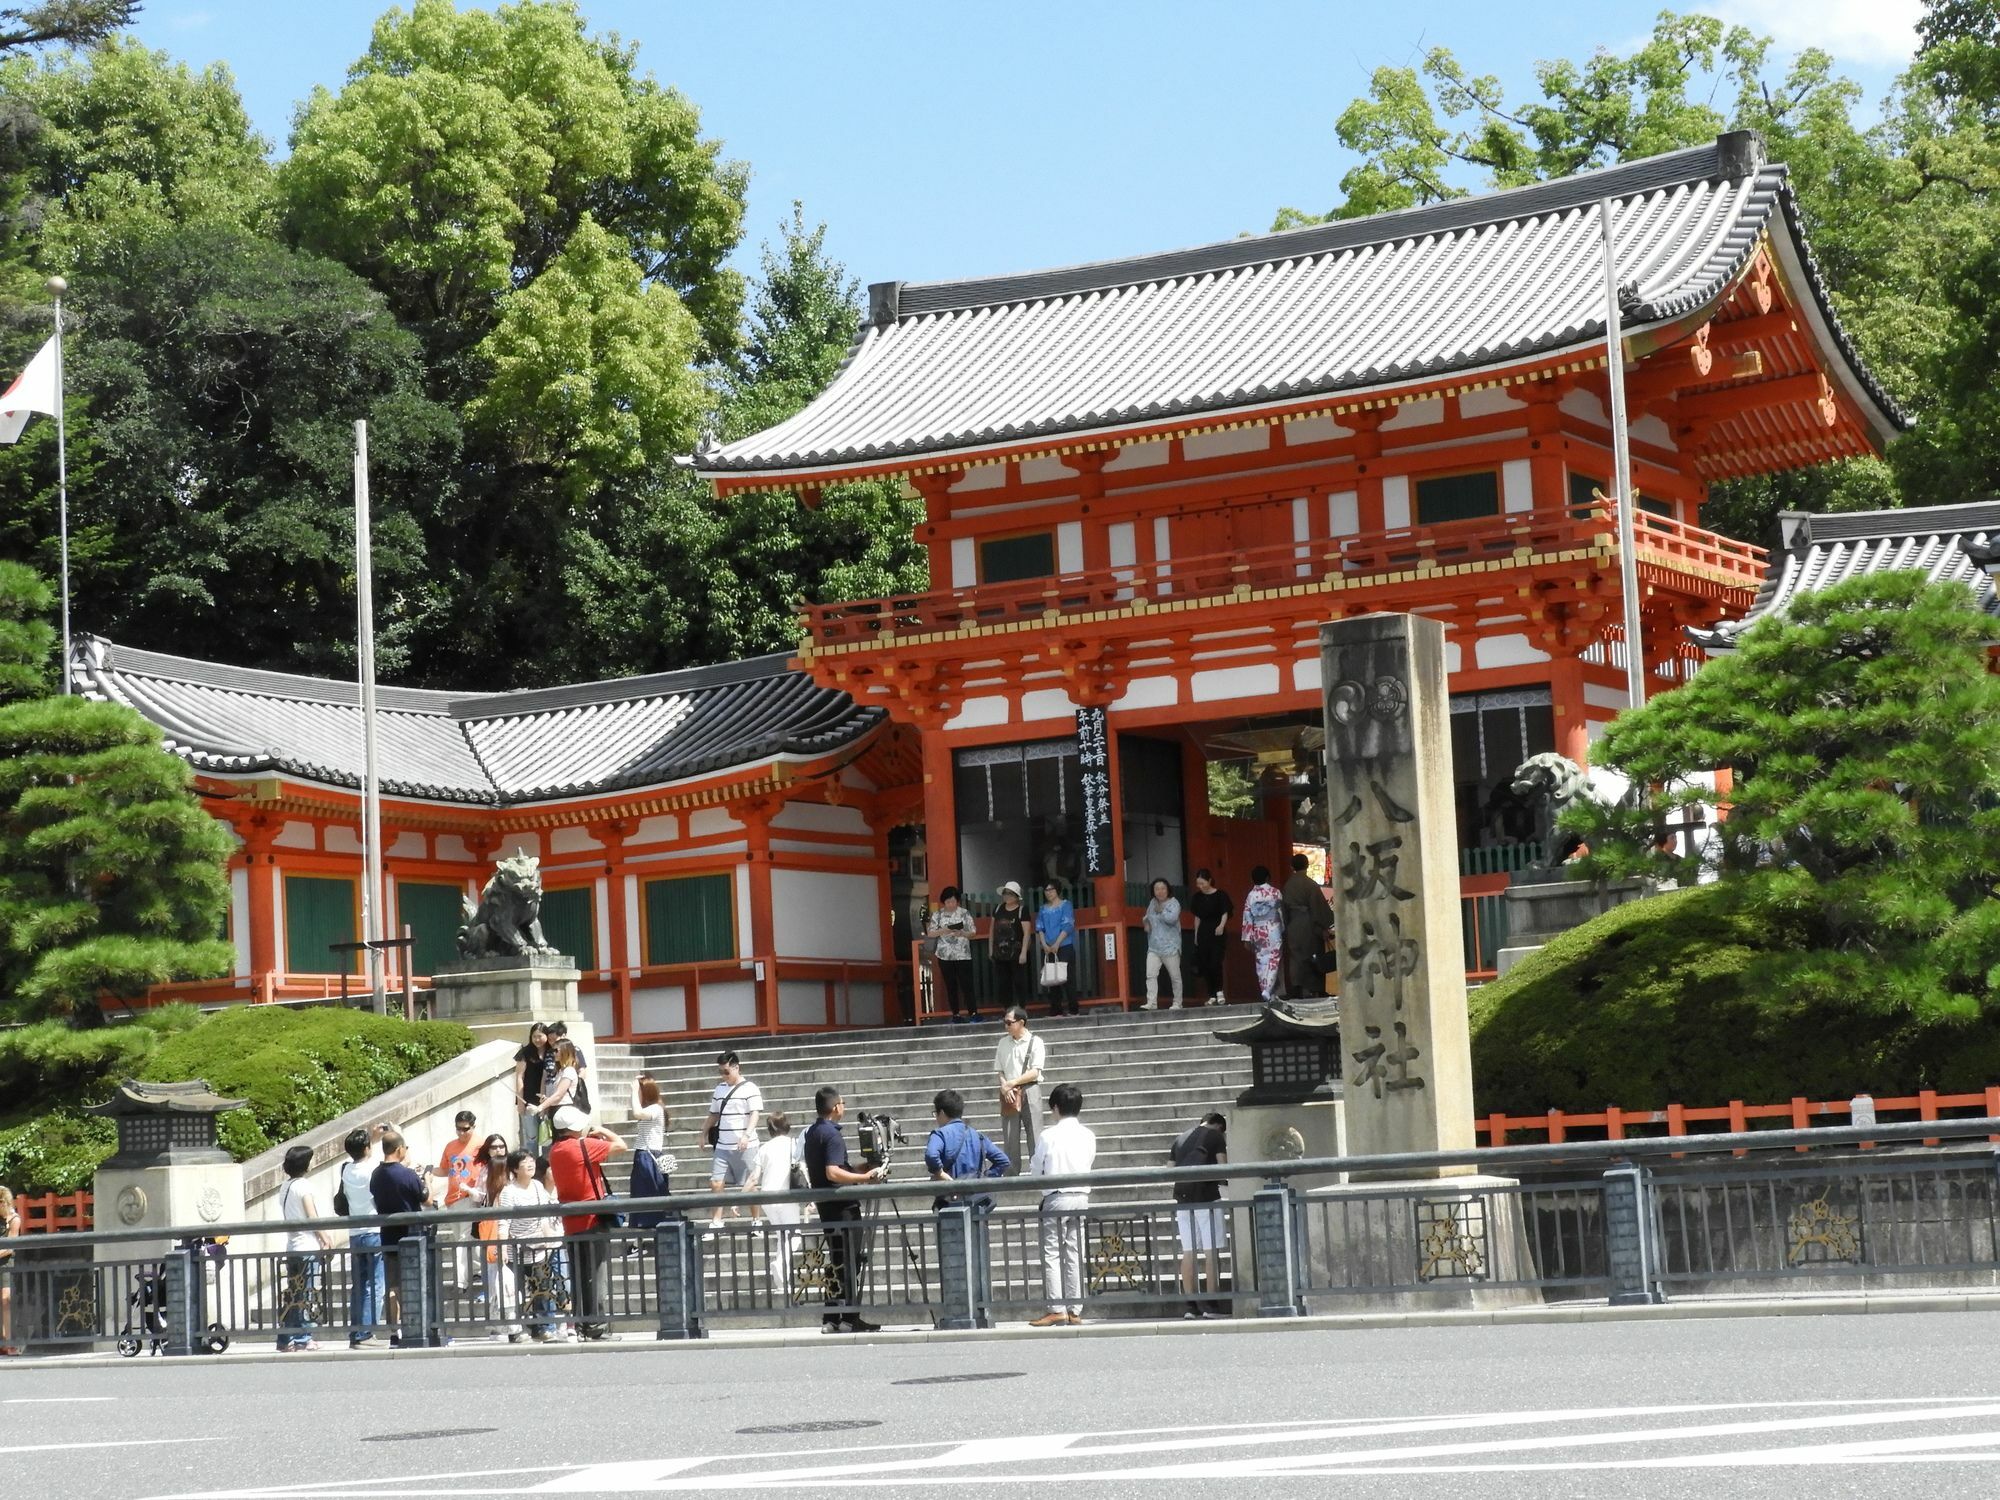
pixel 1198 1213
pixel 1264 930
pixel 1010 946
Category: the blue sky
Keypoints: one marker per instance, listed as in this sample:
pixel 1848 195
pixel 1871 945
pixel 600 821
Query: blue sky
pixel 952 139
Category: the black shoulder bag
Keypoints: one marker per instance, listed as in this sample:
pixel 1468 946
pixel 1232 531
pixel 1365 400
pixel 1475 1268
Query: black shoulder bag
pixel 713 1135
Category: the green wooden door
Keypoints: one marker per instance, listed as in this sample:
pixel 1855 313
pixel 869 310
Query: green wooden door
pixel 690 919
pixel 568 924
pixel 319 911
pixel 430 909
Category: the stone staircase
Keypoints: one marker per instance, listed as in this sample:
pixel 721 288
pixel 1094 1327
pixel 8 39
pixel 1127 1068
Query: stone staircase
pixel 1145 1076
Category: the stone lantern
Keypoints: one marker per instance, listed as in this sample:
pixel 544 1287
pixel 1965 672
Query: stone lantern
pixel 1292 1108
pixel 170 1171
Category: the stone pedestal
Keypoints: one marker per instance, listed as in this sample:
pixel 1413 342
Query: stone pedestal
pixel 184 1196
pixel 1541 905
pixel 1392 832
pixel 503 997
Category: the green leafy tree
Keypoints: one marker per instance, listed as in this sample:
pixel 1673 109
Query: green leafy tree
pixel 112 877
pixel 468 148
pixel 213 377
pixel 1863 732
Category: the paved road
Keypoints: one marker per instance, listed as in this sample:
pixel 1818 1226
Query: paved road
pixel 1823 1405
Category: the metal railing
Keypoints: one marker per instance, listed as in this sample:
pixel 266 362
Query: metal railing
pixel 1629 1221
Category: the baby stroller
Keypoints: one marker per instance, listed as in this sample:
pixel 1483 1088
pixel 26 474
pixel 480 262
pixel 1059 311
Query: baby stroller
pixel 146 1324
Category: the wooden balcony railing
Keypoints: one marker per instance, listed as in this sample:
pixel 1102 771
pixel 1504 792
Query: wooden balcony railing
pixel 1403 549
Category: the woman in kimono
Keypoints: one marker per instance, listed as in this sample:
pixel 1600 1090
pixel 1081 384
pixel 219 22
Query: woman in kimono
pixel 1264 930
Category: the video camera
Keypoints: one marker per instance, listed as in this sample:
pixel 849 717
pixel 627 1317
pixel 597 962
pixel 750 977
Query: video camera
pixel 878 1136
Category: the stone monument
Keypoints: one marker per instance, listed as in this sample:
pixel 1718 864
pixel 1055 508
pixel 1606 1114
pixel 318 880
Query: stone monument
pixel 509 975
pixel 170 1170
pixel 1392 833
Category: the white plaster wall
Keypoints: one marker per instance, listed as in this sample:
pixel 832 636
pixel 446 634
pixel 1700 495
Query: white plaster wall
pixel 1305 675
pixel 802 1002
pixel 408 846
pixel 864 1005
pixel 1234 682
pixel 294 836
pixel 1586 407
pixel 1426 413
pixel 1599 696
pixel 1046 703
pixel 659 1009
pixel 743 910
pixel 1069 547
pixel 340 839
pixel 1517 485
pixel 1509 651
pixel 1396 501
pixel 596 1010
pixel 728 1004
pixel 821 817
pixel 706 820
pixel 964 562
pixel 451 846
pixel 1653 430
pixel 656 830
pixel 819 914
pixel 600 905
pixel 239 917
pixel 633 957
pixel 1149 692
pixel 571 841
pixel 1041 470
pixel 1138 456
pixel 1495 398
pixel 1121 544
pixel 979 713
pixel 1315 429
pixel 1343 513
pixel 1163 537
pixel 520 843
pixel 981 477
pixel 1220 444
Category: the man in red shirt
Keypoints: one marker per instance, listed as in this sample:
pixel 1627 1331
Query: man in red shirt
pixel 576 1166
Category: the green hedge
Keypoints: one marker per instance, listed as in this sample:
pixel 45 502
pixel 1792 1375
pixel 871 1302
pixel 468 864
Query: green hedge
pixel 296 1069
pixel 1675 1000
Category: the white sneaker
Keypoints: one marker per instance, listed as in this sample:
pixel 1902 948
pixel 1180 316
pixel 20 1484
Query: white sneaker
pixel 1175 1006
pixel 1150 1005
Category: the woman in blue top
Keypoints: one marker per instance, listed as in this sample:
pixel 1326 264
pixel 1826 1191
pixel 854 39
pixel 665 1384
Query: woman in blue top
pixel 1055 942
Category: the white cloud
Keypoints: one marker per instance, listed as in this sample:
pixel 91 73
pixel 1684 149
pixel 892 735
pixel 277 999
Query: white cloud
pixel 1879 33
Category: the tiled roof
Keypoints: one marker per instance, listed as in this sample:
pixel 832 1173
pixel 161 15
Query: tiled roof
pixel 1946 543
pixel 494 749
pixel 1466 285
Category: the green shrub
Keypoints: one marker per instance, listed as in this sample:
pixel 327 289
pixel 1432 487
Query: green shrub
pixel 296 1069
pixel 300 1068
pixel 1699 997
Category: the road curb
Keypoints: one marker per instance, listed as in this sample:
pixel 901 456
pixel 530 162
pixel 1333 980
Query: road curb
pixel 791 1338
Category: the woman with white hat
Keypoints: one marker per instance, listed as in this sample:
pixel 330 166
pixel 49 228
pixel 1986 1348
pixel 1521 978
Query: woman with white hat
pixel 1009 948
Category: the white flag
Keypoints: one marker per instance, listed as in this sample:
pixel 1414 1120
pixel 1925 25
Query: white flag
pixel 34 391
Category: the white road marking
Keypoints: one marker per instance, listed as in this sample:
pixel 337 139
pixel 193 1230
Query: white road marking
pixel 118 1443
pixel 1220 1451
pixel 50 1400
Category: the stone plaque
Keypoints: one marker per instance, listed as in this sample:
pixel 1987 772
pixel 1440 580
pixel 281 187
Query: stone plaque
pixel 1393 863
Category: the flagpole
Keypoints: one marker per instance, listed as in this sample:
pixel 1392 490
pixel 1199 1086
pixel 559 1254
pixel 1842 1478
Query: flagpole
pixel 57 286
pixel 1621 462
pixel 371 786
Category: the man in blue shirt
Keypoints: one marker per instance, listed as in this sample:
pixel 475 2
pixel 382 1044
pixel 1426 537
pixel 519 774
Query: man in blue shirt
pixel 846 1251
pixel 956 1152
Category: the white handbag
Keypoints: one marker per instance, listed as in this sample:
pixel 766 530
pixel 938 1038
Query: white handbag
pixel 1054 972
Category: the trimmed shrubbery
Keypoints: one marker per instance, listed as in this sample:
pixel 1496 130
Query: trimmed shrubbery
pixel 296 1069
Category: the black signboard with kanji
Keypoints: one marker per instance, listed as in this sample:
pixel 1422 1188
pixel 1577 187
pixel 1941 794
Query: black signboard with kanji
pixel 1093 754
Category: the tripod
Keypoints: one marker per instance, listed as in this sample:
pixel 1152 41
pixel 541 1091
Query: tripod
pixel 911 1255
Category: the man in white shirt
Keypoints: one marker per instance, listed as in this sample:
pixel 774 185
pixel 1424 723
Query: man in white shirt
pixel 732 1129
pixel 773 1174
pixel 1068 1147
pixel 368 1294
pixel 1019 1062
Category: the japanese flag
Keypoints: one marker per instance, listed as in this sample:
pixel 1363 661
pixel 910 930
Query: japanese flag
pixel 34 391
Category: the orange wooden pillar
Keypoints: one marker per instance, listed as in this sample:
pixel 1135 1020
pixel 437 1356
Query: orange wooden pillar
pixel 757 814
pixel 261 863
pixel 940 814
pixel 1571 712
pixel 619 960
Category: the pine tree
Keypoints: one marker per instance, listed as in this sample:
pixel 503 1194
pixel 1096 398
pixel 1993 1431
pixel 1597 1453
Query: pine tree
pixel 1863 732
pixel 112 877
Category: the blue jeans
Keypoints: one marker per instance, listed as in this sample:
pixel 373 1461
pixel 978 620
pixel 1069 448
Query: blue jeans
pixel 367 1292
pixel 301 1287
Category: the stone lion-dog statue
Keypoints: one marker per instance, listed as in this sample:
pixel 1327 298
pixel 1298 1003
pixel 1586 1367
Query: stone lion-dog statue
pixel 1550 783
pixel 508 920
